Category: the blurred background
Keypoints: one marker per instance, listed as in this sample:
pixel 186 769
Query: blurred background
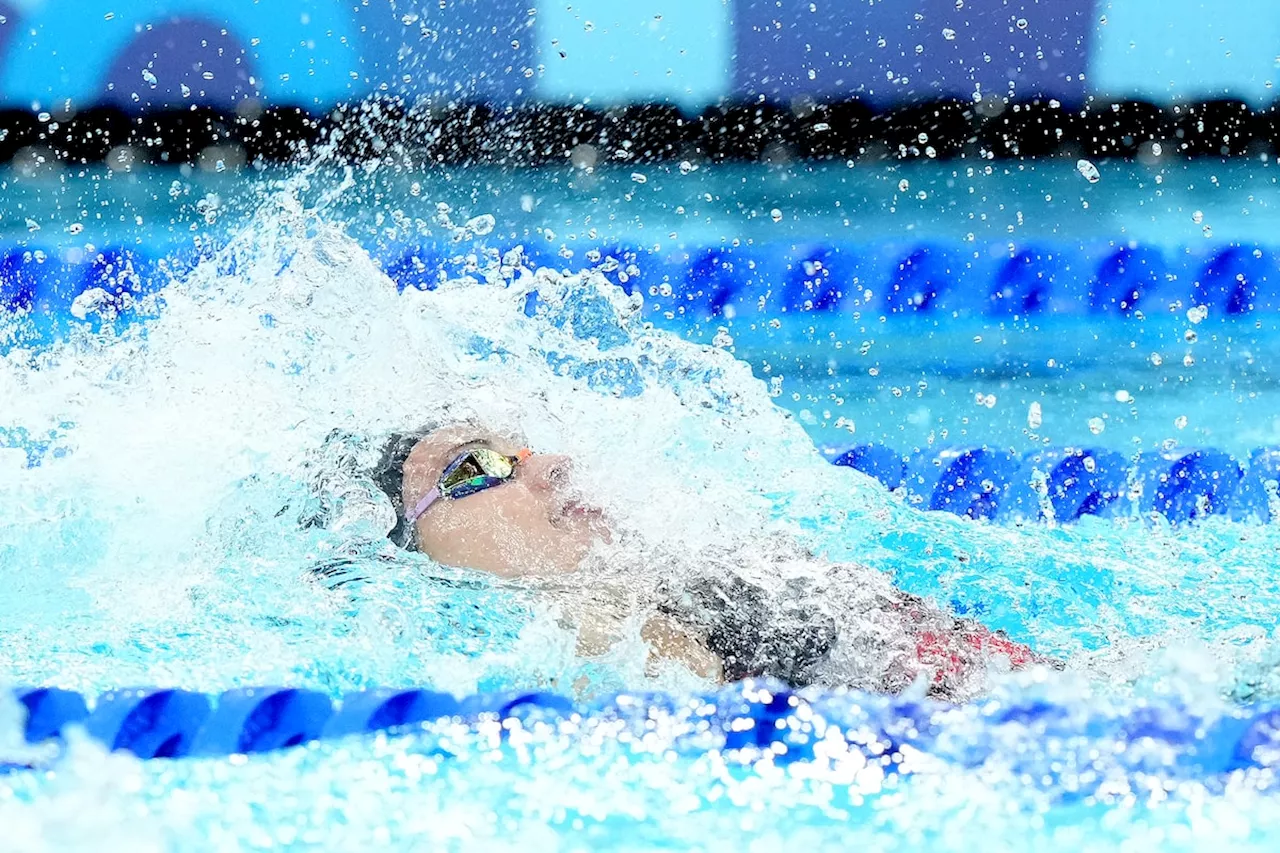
pixel 316 54
pixel 881 206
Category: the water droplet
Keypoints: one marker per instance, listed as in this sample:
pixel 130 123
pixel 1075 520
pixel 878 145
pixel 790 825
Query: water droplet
pixel 686 167
pixel 1022 23
pixel 106 17
pixel 481 225
pixel 32 225
pixel 959 4
pixel 1157 359
pixel 1180 422
pixel 1088 171
pixel 1197 217
pixel 775 215
pixel 639 178
pixel 1035 416
pixel 186 90
pixel 1208 230
pixel 1123 396
pixel 410 19
pixel 1097 425
pixel 75 228
pixel 588 26
pixel 1197 313
pixel 904 185
pixel 1190 336
pixel 149 77
pixel 1102 21
pixel 949 34
pixel 813 75
pixel 1157 149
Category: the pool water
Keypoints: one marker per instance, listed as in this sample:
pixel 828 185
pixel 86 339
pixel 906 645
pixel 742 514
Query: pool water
pixel 159 541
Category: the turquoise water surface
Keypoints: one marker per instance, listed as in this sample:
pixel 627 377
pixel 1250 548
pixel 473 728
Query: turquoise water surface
pixel 159 542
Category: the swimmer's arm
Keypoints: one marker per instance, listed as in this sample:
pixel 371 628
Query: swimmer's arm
pixel 669 640
pixel 666 637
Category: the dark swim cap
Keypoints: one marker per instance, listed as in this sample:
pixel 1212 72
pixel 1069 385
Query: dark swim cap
pixel 388 476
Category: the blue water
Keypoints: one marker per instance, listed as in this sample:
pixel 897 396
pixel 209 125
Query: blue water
pixel 154 550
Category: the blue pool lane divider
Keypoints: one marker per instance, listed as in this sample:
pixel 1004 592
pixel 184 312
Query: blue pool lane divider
pixel 701 283
pixel 755 718
pixel 1066 484
pixel 168 723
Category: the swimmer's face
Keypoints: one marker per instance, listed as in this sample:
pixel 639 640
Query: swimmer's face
pixel 525 526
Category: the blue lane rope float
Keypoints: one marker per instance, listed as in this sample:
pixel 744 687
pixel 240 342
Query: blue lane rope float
pixel 1069 483
pixel 760 718
pixel 704 283
pixel 1066 483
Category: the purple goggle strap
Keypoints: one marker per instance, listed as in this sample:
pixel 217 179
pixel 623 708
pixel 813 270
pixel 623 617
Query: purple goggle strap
pixel 423 505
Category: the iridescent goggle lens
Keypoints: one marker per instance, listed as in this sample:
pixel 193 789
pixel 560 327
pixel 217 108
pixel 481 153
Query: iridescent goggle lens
pixel 476 470
pixel 473 471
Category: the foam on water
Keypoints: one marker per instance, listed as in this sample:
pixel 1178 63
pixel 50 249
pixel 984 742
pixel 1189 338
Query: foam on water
pixel 165 546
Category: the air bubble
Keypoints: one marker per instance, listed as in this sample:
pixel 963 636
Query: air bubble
pixel 1197 217
pixel 1180 422
pixel 775 215
pixel 1097 425
pixel 949 34
pixel 1022 23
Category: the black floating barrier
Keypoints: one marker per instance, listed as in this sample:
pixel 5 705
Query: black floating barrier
pixel 646 133
pixel 1121 128
pixel 278 134
pixel 538 134
pixel 1220 128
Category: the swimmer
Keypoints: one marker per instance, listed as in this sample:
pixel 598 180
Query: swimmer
pixel 471 498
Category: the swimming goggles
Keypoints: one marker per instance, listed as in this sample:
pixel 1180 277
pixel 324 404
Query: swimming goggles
pixel 473 471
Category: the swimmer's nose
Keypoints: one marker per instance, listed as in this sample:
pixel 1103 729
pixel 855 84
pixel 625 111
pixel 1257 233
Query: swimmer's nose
pixel 547 470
